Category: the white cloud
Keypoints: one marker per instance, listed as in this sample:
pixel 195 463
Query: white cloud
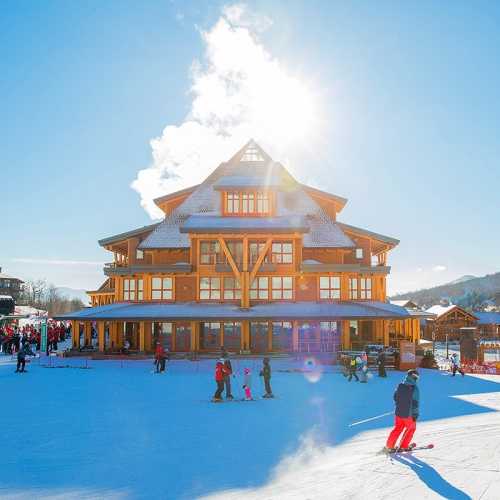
pixel 239 91
pixel 439 269
pixel 57 262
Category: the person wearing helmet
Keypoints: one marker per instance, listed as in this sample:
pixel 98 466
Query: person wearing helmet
pixel 219 380
pixel 406 398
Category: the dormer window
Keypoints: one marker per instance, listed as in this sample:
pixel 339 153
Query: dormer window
pixel 252 203
pixel 252 154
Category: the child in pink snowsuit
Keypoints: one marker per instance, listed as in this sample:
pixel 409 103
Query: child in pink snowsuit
pixel 247 384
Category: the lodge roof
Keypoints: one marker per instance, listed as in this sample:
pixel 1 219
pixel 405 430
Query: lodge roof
pixel 175 194
pixel 369 234
pixel 217 224
pixel 488 318
pixel 292 200
pixel 441 311
pixel 128 234
pixel 274 310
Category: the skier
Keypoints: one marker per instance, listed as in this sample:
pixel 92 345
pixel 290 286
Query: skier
pixel 219 380
pixel 455 365
pixel 407 398
pixel 363 363
pixel 352 369
pixel 381 364
pixel 266 373
pixel 21 359
pixel 228 372
pixel 160 358
pixel 247 384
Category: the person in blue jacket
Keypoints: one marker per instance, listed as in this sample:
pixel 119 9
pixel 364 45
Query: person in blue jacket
pixel 407 400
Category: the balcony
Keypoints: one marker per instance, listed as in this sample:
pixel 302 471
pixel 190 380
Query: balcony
pixel 115 269
pixel 313 266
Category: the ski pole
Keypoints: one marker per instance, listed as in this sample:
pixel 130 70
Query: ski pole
pixel 370 419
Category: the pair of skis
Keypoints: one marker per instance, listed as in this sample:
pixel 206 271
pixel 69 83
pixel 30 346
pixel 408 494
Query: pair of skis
pixel 413 447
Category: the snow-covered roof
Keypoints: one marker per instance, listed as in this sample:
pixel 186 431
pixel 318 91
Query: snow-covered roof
pixel 291 200
pixel 4 276
pixel 440 310
pixel 225 311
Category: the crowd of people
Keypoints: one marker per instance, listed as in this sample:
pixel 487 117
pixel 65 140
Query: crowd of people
pixel 352 365
pixel 14 338
pixel 224 374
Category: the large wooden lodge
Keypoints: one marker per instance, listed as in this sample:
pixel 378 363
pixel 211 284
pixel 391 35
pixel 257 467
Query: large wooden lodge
pixel 252 260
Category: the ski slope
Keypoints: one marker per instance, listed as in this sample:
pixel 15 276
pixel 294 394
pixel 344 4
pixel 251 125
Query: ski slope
pixel 114 430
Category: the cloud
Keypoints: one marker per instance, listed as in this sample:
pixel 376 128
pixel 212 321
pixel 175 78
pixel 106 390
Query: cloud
pixel 57 262
pixel 439 269
pixel 239 91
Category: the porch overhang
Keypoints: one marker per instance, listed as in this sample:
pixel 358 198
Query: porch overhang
pixel 282 311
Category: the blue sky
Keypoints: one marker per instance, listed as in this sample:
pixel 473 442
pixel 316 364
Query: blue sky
pixel 407 94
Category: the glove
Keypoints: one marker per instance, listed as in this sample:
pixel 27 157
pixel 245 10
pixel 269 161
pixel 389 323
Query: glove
pixel 415 418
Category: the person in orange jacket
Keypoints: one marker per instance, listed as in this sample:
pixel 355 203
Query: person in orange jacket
pixel 160 358
pixel 220 373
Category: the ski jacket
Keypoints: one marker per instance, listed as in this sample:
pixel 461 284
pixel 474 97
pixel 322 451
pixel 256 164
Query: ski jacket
pixel 227 367
pixel 454 361
pixel 160 352
pixel 219 372
pixel 266 372
pixel 407 397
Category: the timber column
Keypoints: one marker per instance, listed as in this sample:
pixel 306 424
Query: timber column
pixel 75 334
pixel 295 336
pixel 87 325
pixel 100 335
pixel 142 343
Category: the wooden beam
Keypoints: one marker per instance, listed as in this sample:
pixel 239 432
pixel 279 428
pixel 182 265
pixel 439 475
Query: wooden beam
pixel 229 258
pixel 260 260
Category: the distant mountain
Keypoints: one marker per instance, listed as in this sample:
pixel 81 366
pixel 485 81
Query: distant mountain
pixel 473 293
pixel 466 277
pixel 73 293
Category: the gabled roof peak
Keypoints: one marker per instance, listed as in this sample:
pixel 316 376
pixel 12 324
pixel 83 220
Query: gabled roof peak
pixel 251 152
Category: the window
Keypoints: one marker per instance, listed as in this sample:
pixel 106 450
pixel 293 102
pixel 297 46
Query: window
pixel 359 253
pixel 255 248
pixel 232 289
pixel 260 288
pixel 232 335
pixel 282 287
pixel 353 288
pixel 262 203
pixel 329 287
pixel 282 253
pixel 133 289
pixel 282 336
pixel 232 202
pixel 248 203
pixel 139 254
pixel 365 289
pixel 209 251
pixel 236 250
pixel 162 288
pixel 209 288
pixel 252 154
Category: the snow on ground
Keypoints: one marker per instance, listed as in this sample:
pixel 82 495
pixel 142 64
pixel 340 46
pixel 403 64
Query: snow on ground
pixel 117 431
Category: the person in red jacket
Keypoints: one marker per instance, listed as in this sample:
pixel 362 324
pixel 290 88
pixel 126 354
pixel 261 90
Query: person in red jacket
pixel 220 373
pixel 160 357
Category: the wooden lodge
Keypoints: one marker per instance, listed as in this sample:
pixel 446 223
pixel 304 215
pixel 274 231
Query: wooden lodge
pixel 252 260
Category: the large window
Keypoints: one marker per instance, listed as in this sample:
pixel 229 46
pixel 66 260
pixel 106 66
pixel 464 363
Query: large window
pixel 329 287
pixel 259 335
pixel 133 289
pixel 255 247
pixel 247 203
pixel 282 252
pixel 282 288
pixel 282 336
pixel 260 288
pixel 162 288
pixel 236 250
pixel 232 289
pixel 209 288
pixel 209 251
pixel 232 335
pixel 365 288
pixel 210 336
pixel 353 288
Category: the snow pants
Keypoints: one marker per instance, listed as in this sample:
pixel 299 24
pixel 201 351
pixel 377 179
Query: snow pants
pixel 267 385
pixel 408 425
pixel 21 363
pixel 381 370
pixel 227 383
pixel 456 369
pixel 220 388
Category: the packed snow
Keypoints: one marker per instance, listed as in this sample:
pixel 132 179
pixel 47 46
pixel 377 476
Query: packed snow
pixel 76 428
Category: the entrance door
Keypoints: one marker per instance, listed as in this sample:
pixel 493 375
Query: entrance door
pixel 259 335
pixel 131 333
pixel 309 337
pixel 210 336
pixel 163 333
pixel 282 336
pixel 232 336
